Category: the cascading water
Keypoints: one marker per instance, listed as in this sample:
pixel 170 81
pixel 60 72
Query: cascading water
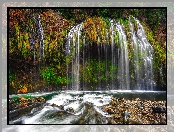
pixel 142 57
pixel 37 34
pixel 113 58
pixel 74 39
pixel 116 51
pixel 123 65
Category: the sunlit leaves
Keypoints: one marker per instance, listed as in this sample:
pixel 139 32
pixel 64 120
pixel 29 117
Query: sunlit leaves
pixel 96 28
pixel 22 90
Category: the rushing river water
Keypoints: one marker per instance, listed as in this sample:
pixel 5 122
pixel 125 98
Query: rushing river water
pixel 76 107
pixel 95 100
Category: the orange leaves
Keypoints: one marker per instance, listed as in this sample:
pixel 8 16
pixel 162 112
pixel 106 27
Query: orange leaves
pixel 44 14
pixel 23 90
pixel 55 27
pixel 90 26
pixel 96 28
pixel 16 16
pixel 52 21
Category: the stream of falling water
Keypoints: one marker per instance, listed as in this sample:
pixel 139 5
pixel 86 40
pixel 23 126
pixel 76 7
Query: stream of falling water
pixel 117 52
pixel 74 36
pixel 142 57
pixel 123 64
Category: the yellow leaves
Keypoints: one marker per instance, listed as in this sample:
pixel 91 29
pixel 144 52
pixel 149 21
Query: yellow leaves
pixel 24 89
pixel 51 46
pixel 23 43
pixel 58 54
pixel 12 84
pixel 58 66
pixel 28 46
pixel 10 51
pixel 96 28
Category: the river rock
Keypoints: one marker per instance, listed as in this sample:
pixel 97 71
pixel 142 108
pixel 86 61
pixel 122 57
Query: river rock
pixel 117 116
pixel 144 112
pixel 111 121
pixel 112 102
pixel 61 107
pixel 159 109
pixel 153 122
pixel 133 121
pixel 53 105
pixel 163 120
pixel 71 110
pixel 109 110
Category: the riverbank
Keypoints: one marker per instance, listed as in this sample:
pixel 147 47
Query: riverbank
pixel 89 108
pixel 136 111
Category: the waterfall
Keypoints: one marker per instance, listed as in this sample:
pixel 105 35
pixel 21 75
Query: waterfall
pixel 37 34
pixel 111 55
pixel 74 50
pixel 123 64
pixel 41 38
pixel 142 57
pixel 112 51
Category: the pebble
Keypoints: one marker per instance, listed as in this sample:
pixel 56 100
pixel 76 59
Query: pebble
pixel 136 111
pixel 133 121
pixel 163 120
pixel 53 105
pixel 159 109
pixel 117 116
pixel 71 110
pixel 111 121
pixel 112 102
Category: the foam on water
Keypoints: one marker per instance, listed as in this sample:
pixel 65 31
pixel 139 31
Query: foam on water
pixel 68 101
pixel 75 105
pixel 35 119
pixel 80 103
pixel 60 99
pixel 101 112
pixel 97 100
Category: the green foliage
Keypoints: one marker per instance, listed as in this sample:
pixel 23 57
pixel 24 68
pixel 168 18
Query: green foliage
pixel 96 24
pixel 103 12
pixel 51 76
pixel 11 78
pixel 66 13
pixel 96 71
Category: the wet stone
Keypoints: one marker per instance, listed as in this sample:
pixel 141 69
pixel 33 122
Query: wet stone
pixel 111 121
pixel 126 115
pixel 159 109
pixel 163 120
pixel 71 110
pixel 136 111
pixel 133 121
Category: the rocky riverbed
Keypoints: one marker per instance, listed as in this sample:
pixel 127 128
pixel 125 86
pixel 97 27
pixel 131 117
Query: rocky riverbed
pixel 136 111
pixel 89 109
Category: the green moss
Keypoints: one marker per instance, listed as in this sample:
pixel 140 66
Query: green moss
pixel 96 23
